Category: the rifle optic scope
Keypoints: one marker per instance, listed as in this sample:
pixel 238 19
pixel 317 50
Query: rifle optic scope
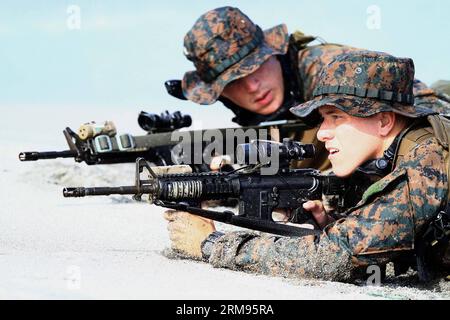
pixel 164 122
pixel 264 151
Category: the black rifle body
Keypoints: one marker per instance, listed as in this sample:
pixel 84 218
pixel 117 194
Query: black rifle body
pixel 158 148
pixel 258 195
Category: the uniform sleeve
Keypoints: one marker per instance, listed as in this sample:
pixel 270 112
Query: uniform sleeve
pixel 305 257
pixel 384 223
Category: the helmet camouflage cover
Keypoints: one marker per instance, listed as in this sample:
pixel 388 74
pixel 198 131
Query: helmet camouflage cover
pixel 225 45
pixel 363 83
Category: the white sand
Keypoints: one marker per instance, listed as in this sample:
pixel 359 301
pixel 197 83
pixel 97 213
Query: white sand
pixel 112 248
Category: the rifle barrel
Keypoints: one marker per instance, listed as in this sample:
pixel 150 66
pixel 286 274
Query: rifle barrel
pixel 104 191
pixel 34 155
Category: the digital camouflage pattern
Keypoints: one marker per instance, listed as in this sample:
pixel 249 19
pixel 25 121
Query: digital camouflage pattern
pixel 382 226
pixel 281 256
pixel 393 210
pixel 432 99
pixel 362 83
pixel 442 86
pixel 225 45
pixel 313 60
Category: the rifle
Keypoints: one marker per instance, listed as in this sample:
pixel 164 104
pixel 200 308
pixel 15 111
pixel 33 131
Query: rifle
pixel 99 144
pixel 95 144
pixel 257 194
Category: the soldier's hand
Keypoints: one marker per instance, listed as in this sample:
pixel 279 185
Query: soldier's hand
pixel 218 162
pixel 187 232
pixel 318 212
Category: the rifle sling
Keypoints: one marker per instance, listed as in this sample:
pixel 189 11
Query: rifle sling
pixel 230 218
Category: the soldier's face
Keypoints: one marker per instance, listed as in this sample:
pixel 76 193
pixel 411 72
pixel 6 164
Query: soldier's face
pixel 261 92
pixel 350 140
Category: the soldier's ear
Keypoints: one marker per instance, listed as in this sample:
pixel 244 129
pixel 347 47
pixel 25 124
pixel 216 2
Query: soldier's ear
pixel 386 123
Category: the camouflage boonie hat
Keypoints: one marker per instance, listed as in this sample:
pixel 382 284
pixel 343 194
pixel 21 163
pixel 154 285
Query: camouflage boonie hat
pixel 225 45
pixel 363 83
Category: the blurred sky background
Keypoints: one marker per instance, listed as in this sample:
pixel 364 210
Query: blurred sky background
pixel 125 50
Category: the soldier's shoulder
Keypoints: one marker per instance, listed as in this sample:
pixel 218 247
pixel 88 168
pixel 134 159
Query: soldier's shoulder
pixel 436 101
pixel 325 51
pixel 431 145
pixel 426 154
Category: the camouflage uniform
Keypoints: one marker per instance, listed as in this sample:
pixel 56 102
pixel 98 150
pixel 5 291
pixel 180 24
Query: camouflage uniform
pixel 225 45
pixel 442 86
pixel 393 212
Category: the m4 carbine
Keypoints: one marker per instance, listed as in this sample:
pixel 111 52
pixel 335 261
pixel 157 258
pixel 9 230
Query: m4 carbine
pixel 95 144
pixel 100 144
pixel 258 195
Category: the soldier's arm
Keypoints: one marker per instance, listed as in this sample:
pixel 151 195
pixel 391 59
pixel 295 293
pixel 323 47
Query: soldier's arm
pixel 383 224
pixel 306 257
